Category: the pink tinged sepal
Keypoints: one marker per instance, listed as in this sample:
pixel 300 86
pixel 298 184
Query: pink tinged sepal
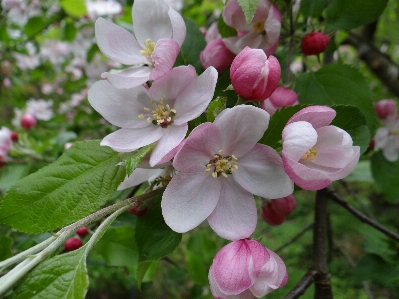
pixel 318 116
pixel 189 199
pixel 128 78
pixel 235 215
pixel 117 43
pixel 163 57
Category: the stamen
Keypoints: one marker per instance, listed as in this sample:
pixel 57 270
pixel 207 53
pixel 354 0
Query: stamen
pixel 259 26
pixel 222 165
pixel 310 155
pixel 141 116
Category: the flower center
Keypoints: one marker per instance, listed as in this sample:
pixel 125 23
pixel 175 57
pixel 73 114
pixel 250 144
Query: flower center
pixel 222 165
pixel 310 155
pixel 259 26
pixel 161 115
pixel 149 48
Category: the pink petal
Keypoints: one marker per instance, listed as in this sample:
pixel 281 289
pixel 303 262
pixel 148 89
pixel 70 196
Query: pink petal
pixel 196 97
pixel 140 175
pixel 199 148
pixel 216 293
pixel 151 20
pixel 240 128
pixel 273 276
pixel 237 43
pixel 260 255
pixel 172 136
pixel 305 177
pixel 169 156
pixel 178 26
pixel 189 199
pixel 233 268
pixel 163 57
pixel 235 215
pixel 121 107
pixel 127 140
pixel 234 16
pixel 261 172
pixel 318 116
pixel 118 43
pixel 344 172
pixel 170 86
pixel 298 138
pixel 128 78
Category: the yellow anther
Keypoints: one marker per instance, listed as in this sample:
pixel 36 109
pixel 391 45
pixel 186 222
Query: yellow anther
pixel 310 155
pixel 222 165
pixel 141 116
pixel 224 174
pixel 149 120
pixel 148 50
pixel 215 174
pixel 147 109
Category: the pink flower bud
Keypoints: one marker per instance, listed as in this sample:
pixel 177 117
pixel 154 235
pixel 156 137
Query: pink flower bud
pixel 275 211
pixel 253 75
pixel 315 43
pixel 384 108
pixel 14 136
pixel 217 55
pixel 72 244
pixel 28 121
pixel 281 97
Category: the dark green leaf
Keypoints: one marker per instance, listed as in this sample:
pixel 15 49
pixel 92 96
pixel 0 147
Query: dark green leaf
pixel 142 269
pixel 337 84
pixel 154 238
pixel 63 276
pixel 215 107
pixel 69 31
pixel 249 8
pixel 5 247
pixel 74 8
pixel 133 159
pixel 10 174
pixel 192 47
pixel 196 268
pixel 117 246
pixel 34 26
pixel 92 51
pixel 386 176
pixel 224 29
pixel 344 14
pixel 74 186
pixel 312 8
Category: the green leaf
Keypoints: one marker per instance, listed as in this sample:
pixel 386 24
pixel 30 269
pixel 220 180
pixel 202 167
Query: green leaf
pixel 249 8
pixel 74 8
pixel 117 246
pixel 10 174
pixel 337 84
pixel 142 269
pixel 74 186
pixel 192 47
pixel 5 247
pixel 361 173
pixel 272 136
pixel 69 31
pixel 133 159
pixel 215 107
pixel 312 8
pixel 344 14
pixel 154 238
pixel 34 26
pixel 350 119
pixel 63 276
pixel 224 29
pixel 386 176
pixel 196 268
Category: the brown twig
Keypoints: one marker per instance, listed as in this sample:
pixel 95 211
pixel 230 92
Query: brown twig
pixel 302 285
pixel 295 238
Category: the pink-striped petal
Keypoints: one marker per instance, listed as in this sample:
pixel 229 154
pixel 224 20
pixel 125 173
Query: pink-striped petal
pixel 163 57
pixel 318 116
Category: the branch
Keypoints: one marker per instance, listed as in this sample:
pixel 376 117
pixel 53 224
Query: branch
pixel 363 218
pixel 295 238
pixel 322 281
pixel 302 285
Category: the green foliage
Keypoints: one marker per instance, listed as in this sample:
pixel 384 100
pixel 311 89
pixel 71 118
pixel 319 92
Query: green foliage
pixel 386 176
pixel 153 237
pixel 34 26
pixel 249 8
pixel 192 47
pixel 337 84
pixel 69 32
pixel 77 184
pixel 343 14
pixel 133 159
pixel 224 29
pixel 196 268
pixel 10 174
pixel 117 246
pixel 74 8
pixel 215 107
pixel 312 8
pixel 5 247
pixel 63 276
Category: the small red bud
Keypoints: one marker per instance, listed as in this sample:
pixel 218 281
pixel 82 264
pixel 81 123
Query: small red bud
pixel 28 121
pixel 384 108
pixel 315 43
pixel 372 144
pixel 275 211
pixel 72 244
pixel 14 136
pixel 138 211
pixel 82 231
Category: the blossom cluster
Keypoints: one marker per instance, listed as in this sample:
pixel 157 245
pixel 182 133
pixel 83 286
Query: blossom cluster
pixel 216 168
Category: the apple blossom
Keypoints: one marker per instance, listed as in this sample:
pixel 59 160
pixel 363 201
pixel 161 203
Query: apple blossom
pixel 384 108
pixel 157 115
pixel 5 142
pixel 314 43
pixel 159 32
pixel 314 152
pixel 274 211
pixel 217 55
pixel 387 138
pixel 254 76
pixel 220 167
pixel 281 97
pixel 40 109
pixel 102 8
pixel 244 269
pixel 262 33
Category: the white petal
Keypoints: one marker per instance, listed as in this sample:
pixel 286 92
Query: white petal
pixel 178 25
pixel 298 138
pixel 128 78
pixel 140 175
